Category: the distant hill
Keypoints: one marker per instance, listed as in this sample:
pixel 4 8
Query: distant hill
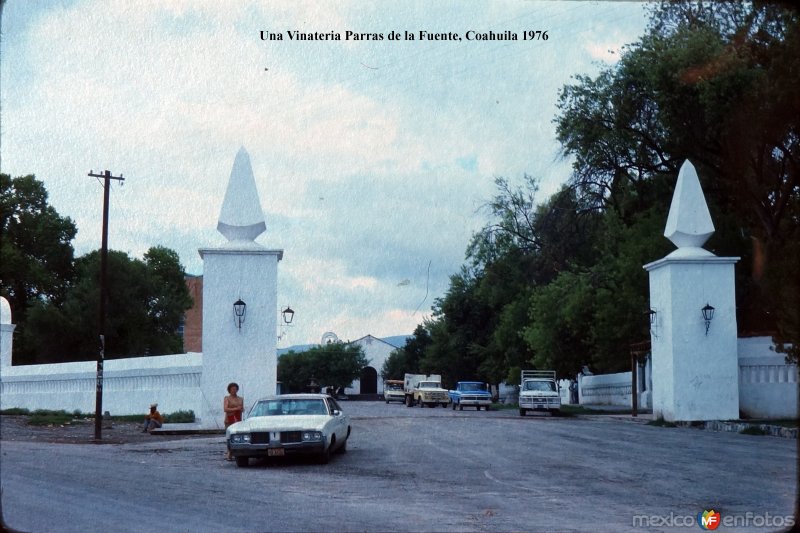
pixel 396 340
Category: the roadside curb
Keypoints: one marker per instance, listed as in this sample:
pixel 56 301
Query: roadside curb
pixel 185 429
pixel 719 425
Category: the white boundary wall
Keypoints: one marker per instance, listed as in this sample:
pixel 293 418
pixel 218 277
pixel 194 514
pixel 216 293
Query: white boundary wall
pixel 605 389
pixel 768 387
pixel 129 385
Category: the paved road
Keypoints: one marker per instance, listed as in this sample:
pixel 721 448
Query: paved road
pixel 408 470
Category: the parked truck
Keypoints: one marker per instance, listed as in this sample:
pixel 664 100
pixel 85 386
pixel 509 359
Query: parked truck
pixel 421 389
pixel 538 391
pixel 393 391
pixel 471 394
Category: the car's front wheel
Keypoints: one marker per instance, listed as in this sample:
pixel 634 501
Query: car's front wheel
pixel 242 461
pixel 522 412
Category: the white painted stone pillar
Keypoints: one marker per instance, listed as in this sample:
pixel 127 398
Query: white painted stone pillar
pixel 695 369
pixel 246 355
pixel 241 351
pixel 6 333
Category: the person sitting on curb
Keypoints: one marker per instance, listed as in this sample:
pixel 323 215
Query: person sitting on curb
pixel 152 420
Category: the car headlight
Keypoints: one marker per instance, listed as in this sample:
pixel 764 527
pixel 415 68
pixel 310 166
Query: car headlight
pixel 312 436
pixel 240 437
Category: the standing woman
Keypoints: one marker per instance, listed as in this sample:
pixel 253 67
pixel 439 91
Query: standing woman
pixel 233 405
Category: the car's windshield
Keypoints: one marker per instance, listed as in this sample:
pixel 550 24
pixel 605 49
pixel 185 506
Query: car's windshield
pixel 429 385
pixel 394 386
pixel 286 406
pixel 473 386
pixel 547 386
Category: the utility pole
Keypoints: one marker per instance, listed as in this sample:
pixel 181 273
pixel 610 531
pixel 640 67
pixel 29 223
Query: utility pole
pixel 98 406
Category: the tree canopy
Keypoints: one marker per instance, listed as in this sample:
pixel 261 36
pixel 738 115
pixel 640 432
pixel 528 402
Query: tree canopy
pixel 55 297
pixel 557 282
pixel 334 365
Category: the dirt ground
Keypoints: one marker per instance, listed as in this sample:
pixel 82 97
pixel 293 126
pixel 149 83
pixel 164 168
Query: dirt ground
pixel 16 428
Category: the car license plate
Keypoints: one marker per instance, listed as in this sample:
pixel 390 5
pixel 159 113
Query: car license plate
pixel 275 452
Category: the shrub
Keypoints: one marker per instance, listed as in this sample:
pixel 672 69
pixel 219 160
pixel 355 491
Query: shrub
pixel 15 411
pixel 660 422
pixel 45 417
pixel 179 417
pixel 753 430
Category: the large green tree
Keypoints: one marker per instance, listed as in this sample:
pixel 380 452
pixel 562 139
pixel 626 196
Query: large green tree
pixel 406 360
pixel 335 365
pixel 716 83
pixel 147 300
pixel 36 254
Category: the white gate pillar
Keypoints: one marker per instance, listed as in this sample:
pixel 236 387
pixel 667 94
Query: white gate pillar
pixel 695 368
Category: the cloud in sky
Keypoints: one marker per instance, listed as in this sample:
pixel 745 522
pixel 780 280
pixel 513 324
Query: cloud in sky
pixel 372 159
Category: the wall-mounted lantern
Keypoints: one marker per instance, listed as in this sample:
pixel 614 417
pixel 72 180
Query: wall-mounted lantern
pixel 708 315
pixel 651 313
pixel 288 315
pixel 239 312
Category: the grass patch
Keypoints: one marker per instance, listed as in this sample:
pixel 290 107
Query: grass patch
pixel 128 418
pixel 660 422
pixel 180 417
pixel 784 422
pixel 504 406
pixel 752 430
pixel 45 417
pixel 581 410
pixel 15 411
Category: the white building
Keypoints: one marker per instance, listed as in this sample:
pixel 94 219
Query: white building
pixel 377 351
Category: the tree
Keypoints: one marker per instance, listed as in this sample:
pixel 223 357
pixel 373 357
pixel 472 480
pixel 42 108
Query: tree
pixel 715 83
pixel 406 360
pixel 36 254
pixel 335 365
pixel 147 300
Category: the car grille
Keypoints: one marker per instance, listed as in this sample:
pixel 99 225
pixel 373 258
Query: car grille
pixel 288 437
pixel 537 400
pixel 259 438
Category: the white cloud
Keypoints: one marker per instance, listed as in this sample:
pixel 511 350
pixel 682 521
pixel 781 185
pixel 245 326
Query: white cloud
pixel 365 175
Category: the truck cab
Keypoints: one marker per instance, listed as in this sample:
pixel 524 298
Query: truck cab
pixel 393 391
pixel 421 390
pixel 538 391
pixel 471 394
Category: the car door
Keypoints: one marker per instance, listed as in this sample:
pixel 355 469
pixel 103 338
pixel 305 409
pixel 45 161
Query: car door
pixel 339 422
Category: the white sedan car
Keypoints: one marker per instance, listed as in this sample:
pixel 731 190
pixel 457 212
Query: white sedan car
pixel 290 424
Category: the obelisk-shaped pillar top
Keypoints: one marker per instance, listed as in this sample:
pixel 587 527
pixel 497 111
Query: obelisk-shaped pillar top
pixel 689 222
pixel 241 217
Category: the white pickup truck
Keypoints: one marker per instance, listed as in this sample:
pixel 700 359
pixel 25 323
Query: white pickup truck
pixel 538 391
pixel 421 390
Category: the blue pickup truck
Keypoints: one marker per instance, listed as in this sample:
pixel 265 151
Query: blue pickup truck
pixel 471 394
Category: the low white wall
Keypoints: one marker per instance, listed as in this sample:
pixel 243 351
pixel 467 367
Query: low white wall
pixel 768 387
pixel 129 385
pixel 605 389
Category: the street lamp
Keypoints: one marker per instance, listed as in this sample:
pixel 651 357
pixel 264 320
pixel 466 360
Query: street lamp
pixel 239 312
pixel 708 315
pixel 288 315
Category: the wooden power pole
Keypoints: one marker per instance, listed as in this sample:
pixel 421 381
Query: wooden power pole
pixel 98 406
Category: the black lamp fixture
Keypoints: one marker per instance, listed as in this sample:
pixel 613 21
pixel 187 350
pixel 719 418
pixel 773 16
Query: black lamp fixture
pixel 708 315
pixel 288 315
pixel 239 312
pixel 651 313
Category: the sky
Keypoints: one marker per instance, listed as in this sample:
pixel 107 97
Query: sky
pixel 373 159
